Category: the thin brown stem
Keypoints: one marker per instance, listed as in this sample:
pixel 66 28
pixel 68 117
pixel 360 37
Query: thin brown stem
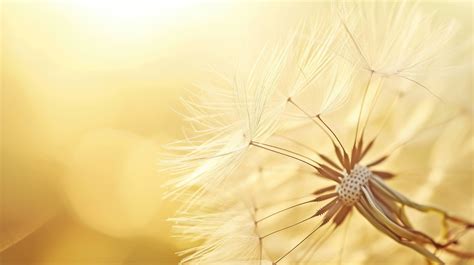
pixel 281 153
pixel 285 209
pixel 287 227
pixel 311 117
pixel 287 150
pixel 372 107
pixel 362 106
pixel 311 251
pixel 299 243
pixel 389 113
pixel 331 132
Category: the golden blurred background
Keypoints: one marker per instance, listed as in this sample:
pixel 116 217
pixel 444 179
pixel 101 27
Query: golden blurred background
pixel 90 92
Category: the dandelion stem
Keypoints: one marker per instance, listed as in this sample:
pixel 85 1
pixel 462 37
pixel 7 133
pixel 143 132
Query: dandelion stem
pixel 372 107
pixel 298 143
pixel 332 132
pixel 362 107
pixel 309 253
pixel 267 205
pixel 423 86
pixel 299 243
pixel 319 125
pixel 286 150
pixel 357 46
pixel 389 113
pixel 281 153
pixel 287 227
pixel 285 209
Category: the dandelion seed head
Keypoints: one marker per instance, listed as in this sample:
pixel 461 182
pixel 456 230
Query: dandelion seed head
pixel 268 144
pixel 351 185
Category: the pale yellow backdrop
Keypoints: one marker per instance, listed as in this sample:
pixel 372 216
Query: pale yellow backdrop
pixel 90 91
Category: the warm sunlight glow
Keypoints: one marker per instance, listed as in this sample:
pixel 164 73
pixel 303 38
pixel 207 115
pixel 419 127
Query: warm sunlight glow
pixel 132 14
pixel 133 10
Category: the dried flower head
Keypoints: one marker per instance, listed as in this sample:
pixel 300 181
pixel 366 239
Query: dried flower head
pixel 282 158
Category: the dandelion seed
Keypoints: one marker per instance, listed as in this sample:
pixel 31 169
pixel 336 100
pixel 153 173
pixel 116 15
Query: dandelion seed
pixel 395 39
